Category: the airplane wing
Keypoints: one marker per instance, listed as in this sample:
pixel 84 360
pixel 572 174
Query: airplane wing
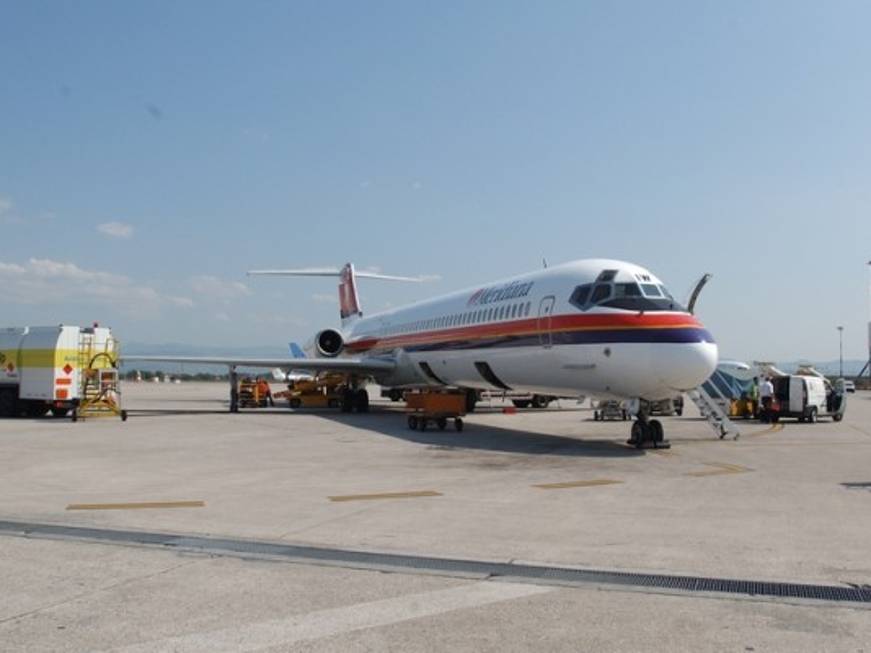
pixel 355 365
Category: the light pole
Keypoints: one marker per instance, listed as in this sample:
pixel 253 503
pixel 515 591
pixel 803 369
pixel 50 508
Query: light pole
pixel 841 352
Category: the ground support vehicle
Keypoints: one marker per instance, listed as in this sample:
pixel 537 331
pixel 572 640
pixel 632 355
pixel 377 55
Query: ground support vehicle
pixel 608 409
pixel 313 393
pixel 62 369
pixel 435 407
pixel 667 407
pixel 251 394
pixel 806 398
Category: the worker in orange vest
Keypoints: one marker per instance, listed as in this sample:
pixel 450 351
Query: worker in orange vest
pixel 264 390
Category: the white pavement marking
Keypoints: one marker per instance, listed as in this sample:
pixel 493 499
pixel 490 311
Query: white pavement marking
pixel 335 621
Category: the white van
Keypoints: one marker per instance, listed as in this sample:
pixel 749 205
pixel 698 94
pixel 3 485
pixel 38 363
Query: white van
pixel 805 397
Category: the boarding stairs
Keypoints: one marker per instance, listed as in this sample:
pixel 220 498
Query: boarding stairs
pixel 713 408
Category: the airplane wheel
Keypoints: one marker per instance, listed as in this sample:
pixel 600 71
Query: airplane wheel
pixel 361 401
pixel 347 400
pixel 412 422
pixel 123 415
pixel 640 432
pixel 657 433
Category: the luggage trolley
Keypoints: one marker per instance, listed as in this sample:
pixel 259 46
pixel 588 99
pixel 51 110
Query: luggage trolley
pixel 435 407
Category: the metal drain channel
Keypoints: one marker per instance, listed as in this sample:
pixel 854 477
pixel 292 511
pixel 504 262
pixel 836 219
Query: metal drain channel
pixel 401 562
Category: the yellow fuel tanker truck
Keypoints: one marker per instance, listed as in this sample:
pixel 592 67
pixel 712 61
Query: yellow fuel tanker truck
pixel 46 369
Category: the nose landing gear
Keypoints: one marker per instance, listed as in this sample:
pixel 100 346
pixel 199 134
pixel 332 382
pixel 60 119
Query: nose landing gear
pixel 647 433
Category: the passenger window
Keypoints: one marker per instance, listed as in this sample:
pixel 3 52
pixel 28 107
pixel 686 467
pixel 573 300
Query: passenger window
pixel 600 293
pixel 528 308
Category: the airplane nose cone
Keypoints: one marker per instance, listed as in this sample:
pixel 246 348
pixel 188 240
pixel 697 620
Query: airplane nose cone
pixel 688 365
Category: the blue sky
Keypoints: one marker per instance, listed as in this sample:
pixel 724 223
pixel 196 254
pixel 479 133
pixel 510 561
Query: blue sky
pixel 151 153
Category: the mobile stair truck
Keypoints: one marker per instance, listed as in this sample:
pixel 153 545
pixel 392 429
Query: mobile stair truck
pixel 62 369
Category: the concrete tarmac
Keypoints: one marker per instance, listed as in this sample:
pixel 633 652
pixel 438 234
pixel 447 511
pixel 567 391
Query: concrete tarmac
pixel 551 487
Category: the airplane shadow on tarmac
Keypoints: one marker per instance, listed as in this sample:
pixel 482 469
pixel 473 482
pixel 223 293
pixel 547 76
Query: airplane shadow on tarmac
pixel 392 423
pixel 484 437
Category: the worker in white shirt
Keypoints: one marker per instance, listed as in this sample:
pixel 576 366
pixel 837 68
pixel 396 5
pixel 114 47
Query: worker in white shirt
pixel 766 393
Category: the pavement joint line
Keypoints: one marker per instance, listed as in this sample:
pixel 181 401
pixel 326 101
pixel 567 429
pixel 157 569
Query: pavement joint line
pixel 856 594
pixel 720 469
pixel 141 505
pixel 571 484
pixel 385 495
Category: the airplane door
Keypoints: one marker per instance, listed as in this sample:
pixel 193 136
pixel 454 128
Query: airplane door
pixel 545 319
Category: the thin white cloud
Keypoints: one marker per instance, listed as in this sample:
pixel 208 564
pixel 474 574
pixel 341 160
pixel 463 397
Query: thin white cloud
pixel 7 212
pixel 116 229
pixel 210 287
pixel 45 281
pixel 221 316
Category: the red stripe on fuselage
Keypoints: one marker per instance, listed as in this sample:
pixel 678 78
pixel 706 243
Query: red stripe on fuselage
pixel 529 326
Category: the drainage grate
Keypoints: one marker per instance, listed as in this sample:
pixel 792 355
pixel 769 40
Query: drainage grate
pixel 370 560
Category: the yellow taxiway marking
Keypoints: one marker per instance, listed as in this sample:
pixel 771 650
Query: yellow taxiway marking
pixel 567 484
pixel 719 469
pixel 136 506
pixel 774 428
pixel 386 495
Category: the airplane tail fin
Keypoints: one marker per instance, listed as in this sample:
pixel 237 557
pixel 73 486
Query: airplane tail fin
pixel 296 351
pixel 349 300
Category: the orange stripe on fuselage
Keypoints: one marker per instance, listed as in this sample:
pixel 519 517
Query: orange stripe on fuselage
pixel 529 326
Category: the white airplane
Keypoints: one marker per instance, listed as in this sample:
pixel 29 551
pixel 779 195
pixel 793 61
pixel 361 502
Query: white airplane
pixel 590 327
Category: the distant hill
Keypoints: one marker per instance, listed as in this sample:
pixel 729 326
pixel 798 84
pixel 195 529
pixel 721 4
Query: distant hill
pixel 181 349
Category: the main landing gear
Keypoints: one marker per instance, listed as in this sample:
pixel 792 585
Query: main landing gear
pixel 647 433
pixel 355 400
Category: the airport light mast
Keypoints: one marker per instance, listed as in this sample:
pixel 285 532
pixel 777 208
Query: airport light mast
pixel 840 352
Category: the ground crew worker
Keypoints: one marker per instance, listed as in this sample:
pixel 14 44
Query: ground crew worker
pixel 265 391
pixel 766 394
pixel 753 396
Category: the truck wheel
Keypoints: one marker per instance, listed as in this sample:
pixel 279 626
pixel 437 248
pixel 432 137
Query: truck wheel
pixel 441 422
pixel 540 401
pixel 837 417
pixel 8 402
pixel 36 409
pixel 458 424
pixel 295 402
pixel 412 422
pixel 520 403
pixel 59 411
pixel 812 417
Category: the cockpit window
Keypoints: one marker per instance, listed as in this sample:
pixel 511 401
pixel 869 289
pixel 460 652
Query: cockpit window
pixel 581 295
pixel 627 290
pixel 601 292
pixel 607 275
pixel 651 290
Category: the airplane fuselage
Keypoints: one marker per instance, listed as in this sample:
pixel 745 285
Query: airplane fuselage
pixel 597 327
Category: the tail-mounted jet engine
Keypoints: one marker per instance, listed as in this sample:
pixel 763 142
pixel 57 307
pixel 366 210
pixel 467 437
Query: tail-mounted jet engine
pixel 326 344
